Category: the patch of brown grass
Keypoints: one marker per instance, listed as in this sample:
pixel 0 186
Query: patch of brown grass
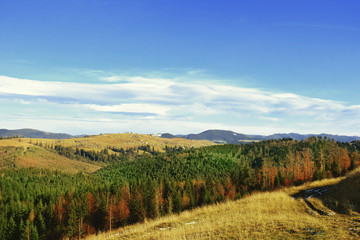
pixel 42 158
pixel 15 142
pixel 124 140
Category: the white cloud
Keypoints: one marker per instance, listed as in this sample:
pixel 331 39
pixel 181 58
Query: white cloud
pixel 131 108
pixel 113 79
pixel 176 105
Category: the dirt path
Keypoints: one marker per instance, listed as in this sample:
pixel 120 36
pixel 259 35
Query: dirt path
pixel 313 200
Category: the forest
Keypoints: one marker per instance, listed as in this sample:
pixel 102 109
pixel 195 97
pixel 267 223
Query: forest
pixel 141 183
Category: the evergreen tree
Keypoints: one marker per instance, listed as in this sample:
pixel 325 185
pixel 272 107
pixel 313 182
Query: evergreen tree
pixel 34 233
pixel 150 199
pixel 40 224
pixel 137 211
pixel 177 202
pixel 11 229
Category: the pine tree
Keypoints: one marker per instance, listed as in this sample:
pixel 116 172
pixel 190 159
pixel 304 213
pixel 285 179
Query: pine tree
pixel 137 211
pixel 23 231
pixel 72 221
pixel 11 229
pixel 150 199
pixel 34 233
pixel 177 202
pixel 189 189
pixel 40 224
pixel 169 205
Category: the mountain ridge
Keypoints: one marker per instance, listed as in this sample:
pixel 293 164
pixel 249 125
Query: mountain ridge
pixel 34 133
pixel 231 137
pixel 214 135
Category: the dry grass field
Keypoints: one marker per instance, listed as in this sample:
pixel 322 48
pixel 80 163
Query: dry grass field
pixel 124 140
pixel 269 215
pixel 35 156
pixel 23 152
pixel 27 155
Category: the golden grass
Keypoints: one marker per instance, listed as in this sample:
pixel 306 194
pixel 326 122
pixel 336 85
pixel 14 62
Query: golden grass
pixel 123 140
pixel 270 215
pixel 15 142
pixel 28 155
pixel 42 158
pixel 315 184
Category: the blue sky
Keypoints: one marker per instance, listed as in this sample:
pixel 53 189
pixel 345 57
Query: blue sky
pixel 256 67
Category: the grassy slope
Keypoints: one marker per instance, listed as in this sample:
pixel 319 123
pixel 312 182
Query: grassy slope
pixel 20 153
pixel 270 215
pixel 125 140
pixel 42 158
pixel 23 153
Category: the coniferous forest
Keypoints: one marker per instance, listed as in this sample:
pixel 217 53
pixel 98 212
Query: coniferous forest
pixel 131 187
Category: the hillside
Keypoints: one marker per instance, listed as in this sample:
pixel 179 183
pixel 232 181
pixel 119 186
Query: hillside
pixel 124 140
pixel 21 154
pixel 269 215
pixel 27 152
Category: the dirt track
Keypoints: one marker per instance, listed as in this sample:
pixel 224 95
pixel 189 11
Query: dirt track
pixel 313 197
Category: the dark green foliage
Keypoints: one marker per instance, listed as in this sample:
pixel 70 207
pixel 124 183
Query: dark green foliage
pixel 177 202
pixel 151 203
pixel 10 229
pixel 34 235
pixel 137 210
pixel 40 225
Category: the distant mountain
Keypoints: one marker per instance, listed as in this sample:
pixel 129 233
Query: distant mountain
pixel 296 136
pixel 168 135
pixel 33 133
pixel 225 136
pixel 220 136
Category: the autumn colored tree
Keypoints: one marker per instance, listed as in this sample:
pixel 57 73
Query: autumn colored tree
pixel 345 161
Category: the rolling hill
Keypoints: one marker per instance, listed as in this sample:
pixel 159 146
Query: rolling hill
pixel 27 152
pixel 19 153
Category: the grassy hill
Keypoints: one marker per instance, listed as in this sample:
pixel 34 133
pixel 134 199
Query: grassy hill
pixel 27 152
pixel 269 215
pixel 15 153
pixel 124 140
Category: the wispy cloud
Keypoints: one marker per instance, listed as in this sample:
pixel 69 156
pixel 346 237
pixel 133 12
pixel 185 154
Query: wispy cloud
pixel 170 105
